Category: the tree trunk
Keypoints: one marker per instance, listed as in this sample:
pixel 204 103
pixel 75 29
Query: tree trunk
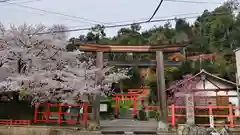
pixel 93 123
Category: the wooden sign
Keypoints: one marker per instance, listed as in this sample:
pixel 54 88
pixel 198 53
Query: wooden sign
pixel 103 108
pixel 190 116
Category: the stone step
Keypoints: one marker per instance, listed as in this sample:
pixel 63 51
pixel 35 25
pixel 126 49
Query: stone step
pixel 136 133
pixel 118 123
pixel 129 129
pixel 126 115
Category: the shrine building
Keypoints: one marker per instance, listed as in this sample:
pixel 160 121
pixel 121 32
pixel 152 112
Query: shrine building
pixel 206 88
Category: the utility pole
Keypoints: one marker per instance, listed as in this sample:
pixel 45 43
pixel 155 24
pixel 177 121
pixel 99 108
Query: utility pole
pixel 238 94
pixel 201 39
pixel 237 56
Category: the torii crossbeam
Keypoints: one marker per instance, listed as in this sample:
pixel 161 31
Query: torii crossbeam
pixel 134 49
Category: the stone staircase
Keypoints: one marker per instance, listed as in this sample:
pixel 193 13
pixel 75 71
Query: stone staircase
pixel 126 114
pixel 130 126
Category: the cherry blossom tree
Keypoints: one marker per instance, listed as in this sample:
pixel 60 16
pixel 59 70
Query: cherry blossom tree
pixel 40 66
pixel 178 89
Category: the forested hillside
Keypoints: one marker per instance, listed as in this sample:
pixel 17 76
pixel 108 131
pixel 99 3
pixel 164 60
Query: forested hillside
pixel 212 32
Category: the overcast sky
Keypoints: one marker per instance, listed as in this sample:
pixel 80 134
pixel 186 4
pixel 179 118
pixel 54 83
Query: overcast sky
pixel 98 11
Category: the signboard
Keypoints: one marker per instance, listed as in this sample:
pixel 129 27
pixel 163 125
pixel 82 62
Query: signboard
pixel 103 107
pixel 190 116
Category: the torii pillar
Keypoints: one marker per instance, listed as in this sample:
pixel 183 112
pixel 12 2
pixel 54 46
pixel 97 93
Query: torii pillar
pixel 162 99
pixel 159 62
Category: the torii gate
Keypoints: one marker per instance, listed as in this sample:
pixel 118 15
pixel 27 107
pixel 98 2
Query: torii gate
pixel 159 62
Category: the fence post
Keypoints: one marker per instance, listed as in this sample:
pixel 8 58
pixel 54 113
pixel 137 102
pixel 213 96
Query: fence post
pixel 35 113
pixel 131 99
pixel 116 106
pixel 48 112
pixel 173 116
pixel 59 114
pixel 134 107
pixel 210 112
pixel 231 114
pixel 85 113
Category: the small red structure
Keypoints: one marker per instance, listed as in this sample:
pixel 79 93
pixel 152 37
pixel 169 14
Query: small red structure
pixel 179 56
pixel 203 56
pixel 132 97
pixel 47 116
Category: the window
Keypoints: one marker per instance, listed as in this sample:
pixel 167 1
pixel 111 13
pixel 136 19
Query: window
pixel 204 101
pixel 222 101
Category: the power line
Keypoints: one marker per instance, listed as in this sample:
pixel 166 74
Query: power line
pixel 126 24
pixel 149 19
pixel 117 25
pixel 142 19
pixel 41 14
pixel 159 17
pixel 56 13
pixel 113 26
pixel 29 1
pixel 194 2
pixel 86 20
pixel 21 2
pixel 154 13
pixel 4 0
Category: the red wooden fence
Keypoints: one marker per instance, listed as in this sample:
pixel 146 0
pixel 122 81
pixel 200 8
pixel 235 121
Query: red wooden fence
pixel 173 113
pixel 15 122
pixel 210 108
pixel 45 114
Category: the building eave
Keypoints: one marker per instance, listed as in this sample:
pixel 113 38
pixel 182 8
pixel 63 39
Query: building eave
pixel 236 50
pixel 219 78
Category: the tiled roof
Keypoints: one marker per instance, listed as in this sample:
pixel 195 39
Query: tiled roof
pixel 200 73
pixel 236 50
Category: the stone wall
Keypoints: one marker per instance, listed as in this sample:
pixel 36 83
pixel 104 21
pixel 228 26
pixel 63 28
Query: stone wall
pixel 48 130
pixel 41 130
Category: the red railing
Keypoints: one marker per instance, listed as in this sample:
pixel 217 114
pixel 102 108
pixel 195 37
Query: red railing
pixel 230 116
pixel 46 114
pixel 15 122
